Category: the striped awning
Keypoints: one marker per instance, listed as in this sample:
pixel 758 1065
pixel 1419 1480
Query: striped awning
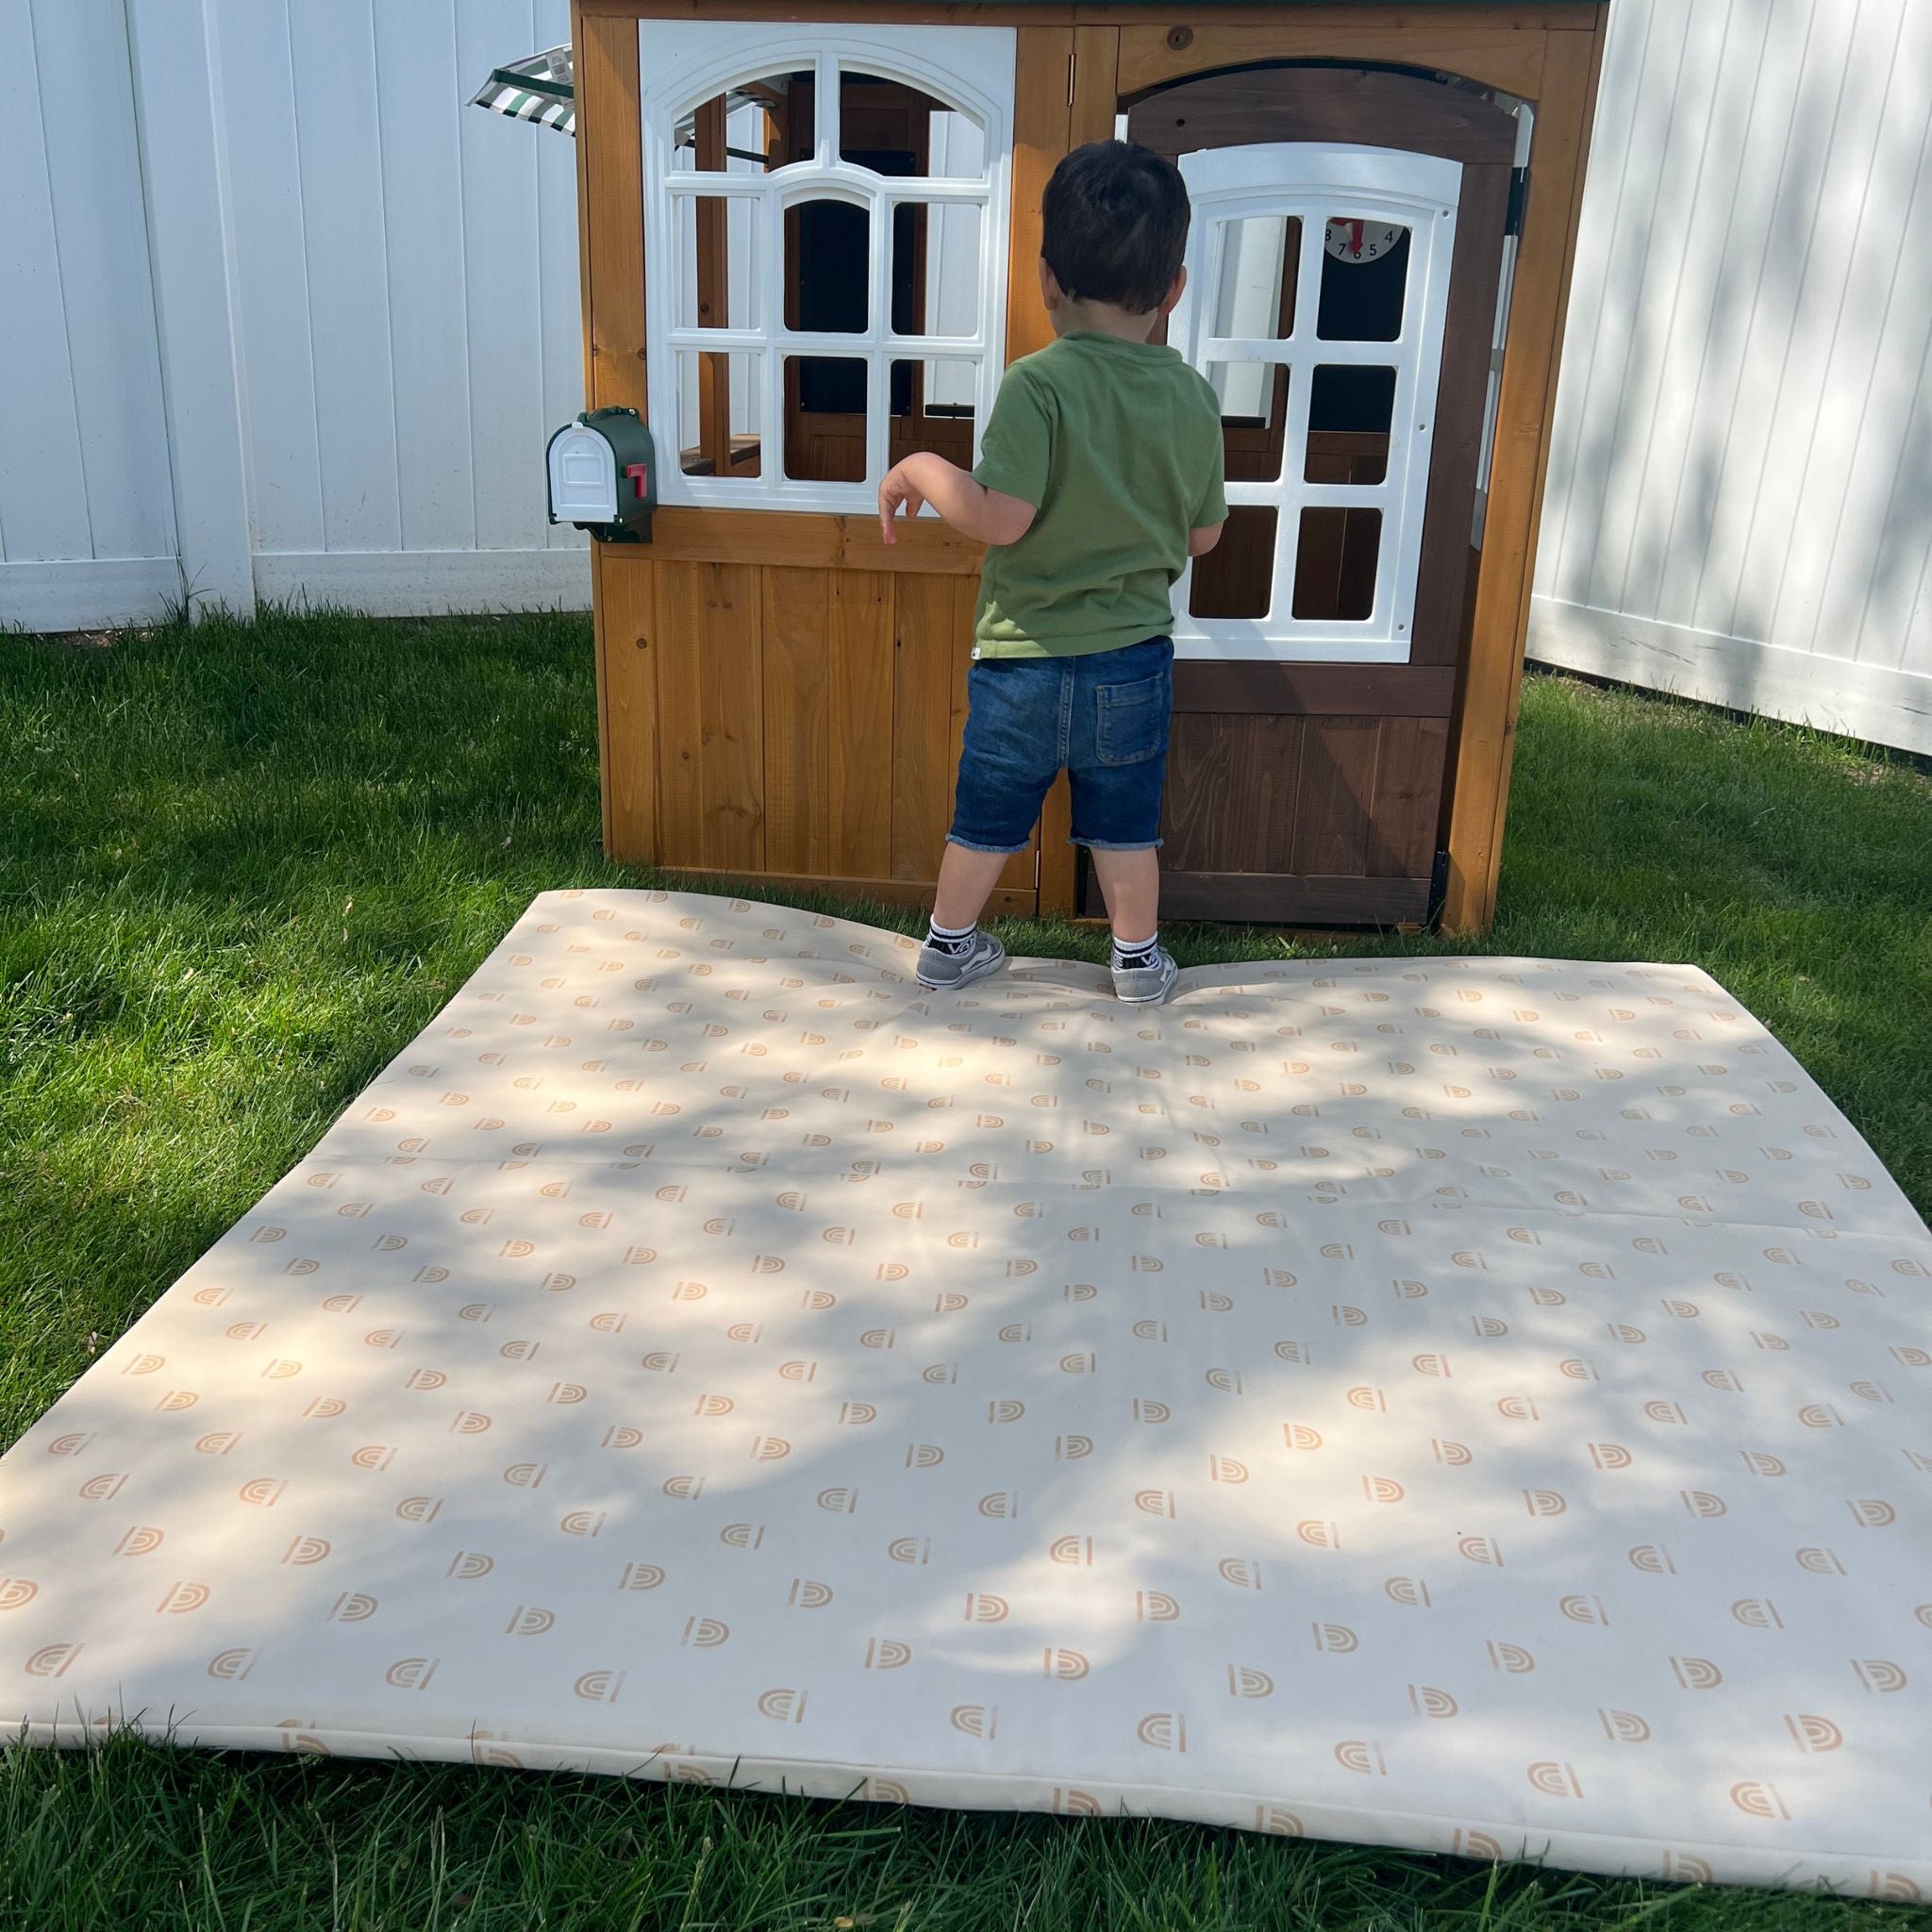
pixel 541 88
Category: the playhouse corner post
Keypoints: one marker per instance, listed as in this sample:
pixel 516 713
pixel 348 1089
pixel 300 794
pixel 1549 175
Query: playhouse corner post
pixel 1485 723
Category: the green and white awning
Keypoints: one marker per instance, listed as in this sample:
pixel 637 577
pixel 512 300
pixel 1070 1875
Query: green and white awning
pixel 541 89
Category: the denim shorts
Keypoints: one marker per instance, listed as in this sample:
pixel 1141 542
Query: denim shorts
pixel 1101 718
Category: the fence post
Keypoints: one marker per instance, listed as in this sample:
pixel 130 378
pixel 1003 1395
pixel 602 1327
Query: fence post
pixel 178 114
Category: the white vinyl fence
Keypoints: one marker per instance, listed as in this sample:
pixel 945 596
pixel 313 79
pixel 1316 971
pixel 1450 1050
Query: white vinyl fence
pixel 1740 498
pixel 281 317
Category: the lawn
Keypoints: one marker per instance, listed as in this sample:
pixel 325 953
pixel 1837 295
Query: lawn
pixel 240 867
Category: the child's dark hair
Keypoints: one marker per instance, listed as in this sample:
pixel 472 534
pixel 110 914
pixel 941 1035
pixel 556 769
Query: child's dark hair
pixel 1115 222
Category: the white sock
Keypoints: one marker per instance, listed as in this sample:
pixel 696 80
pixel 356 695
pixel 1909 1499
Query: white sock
pixel 954 939
pixel 1135 953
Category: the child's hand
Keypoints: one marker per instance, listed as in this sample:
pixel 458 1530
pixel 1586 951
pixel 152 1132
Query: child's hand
pixel 896 490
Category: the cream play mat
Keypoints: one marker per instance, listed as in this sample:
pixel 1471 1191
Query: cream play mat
pixel 1476 1405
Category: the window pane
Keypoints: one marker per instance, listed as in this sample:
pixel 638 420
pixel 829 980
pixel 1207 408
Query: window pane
pixel 932 405
pixel 936 269
pixel 717 405
pixel 1254 417
pixel 716 261
pixel 746 131
pixel 1350 410
pixel 1237 578
pixel 895 129
pixel 1254 295
pixel 828 267
pixel 825 419
pixel 1335 568
pixel 1364 275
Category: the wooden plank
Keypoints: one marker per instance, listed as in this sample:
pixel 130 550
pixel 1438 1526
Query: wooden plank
pixel 1485 722
pixel 1462 393
pixel 678 650
pixel 1503 57
pixel 875 12
pixel 925 737
pixel 859 662
pixel 811 541
pixel 1042 117
pixel 1438 20
pixel 1286 899
pixel 731 718
pixel 799 721
pixel 1090 117
pixel 1337 782
pixel 1003 904
pixel 1405 816
pixel 1366 690
pixel 1096 88
pixel 1327 104
pixel 712 239
pixel 613 232
pixel 582 146
pixel 625 594
pixel 1232 793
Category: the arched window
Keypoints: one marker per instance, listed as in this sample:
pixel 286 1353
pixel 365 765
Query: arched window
pixel 824 253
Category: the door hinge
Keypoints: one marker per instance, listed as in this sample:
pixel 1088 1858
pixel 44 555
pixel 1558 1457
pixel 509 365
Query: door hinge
pixel 1438 892
pixel 1519 194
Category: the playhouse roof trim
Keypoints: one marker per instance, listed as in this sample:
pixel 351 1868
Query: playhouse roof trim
pixel 541 89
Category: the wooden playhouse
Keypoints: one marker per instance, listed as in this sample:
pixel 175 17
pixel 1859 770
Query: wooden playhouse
pixel 808 243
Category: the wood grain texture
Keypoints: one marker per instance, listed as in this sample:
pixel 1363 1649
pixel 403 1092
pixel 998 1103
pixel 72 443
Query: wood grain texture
pixel 626 617
pixel 1042 117
pixel 1337 795
pixel 608 130
pixel 1275 900
pixel 1405 824
pixel 859 662
pixel 928 711
pixel 1510 57
pixel 677 650
pixel 811 541
pixel 797 607
pixel 1327 104
pixel 1486 718
pixel 1318 690
pixel 1462 394
pixel 731 718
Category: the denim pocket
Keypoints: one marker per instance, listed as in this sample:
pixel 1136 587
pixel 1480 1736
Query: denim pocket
pixel 1131 723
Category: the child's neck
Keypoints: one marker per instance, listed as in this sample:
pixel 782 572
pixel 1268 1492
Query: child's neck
pixel 1073 317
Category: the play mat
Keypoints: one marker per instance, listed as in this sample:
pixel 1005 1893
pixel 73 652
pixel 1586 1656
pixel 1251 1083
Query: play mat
pixel 1480 1406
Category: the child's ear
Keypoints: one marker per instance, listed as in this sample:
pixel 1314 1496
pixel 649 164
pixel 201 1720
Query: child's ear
pixel 1050 290
pixel 1173 294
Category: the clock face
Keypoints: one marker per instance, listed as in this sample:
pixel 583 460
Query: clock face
pixel 1348 239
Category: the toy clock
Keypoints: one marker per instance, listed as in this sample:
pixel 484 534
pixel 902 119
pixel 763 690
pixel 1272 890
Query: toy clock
pixel 1349 240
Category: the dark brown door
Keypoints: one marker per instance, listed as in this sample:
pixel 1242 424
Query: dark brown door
pixel 1343 265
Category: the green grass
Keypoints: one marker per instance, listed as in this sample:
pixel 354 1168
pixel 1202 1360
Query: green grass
pixel 240 867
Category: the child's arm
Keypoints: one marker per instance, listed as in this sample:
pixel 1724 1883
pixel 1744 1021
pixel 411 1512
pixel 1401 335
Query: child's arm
pixel 987 516
pixel 1202 541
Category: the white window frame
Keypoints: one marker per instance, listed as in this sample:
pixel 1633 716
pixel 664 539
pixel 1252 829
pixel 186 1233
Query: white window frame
pixel 684 63
pixel 1317 182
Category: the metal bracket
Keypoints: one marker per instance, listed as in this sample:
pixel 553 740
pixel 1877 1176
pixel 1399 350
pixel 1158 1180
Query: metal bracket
pixel 1519 196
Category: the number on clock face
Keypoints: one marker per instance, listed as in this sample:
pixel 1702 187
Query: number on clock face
pixel 1348 239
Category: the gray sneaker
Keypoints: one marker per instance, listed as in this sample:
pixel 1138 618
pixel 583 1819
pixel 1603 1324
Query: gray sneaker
pixel 1146 985
pixel 948 971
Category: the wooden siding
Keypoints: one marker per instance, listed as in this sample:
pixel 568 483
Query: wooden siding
pixel 805 722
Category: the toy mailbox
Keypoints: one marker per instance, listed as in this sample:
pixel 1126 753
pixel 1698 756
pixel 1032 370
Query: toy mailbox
pixel 602 475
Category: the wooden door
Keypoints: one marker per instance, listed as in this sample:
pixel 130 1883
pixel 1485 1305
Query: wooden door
pixel 1344 265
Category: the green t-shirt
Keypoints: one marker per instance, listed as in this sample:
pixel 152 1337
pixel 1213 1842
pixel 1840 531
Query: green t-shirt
pixel 1118 446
